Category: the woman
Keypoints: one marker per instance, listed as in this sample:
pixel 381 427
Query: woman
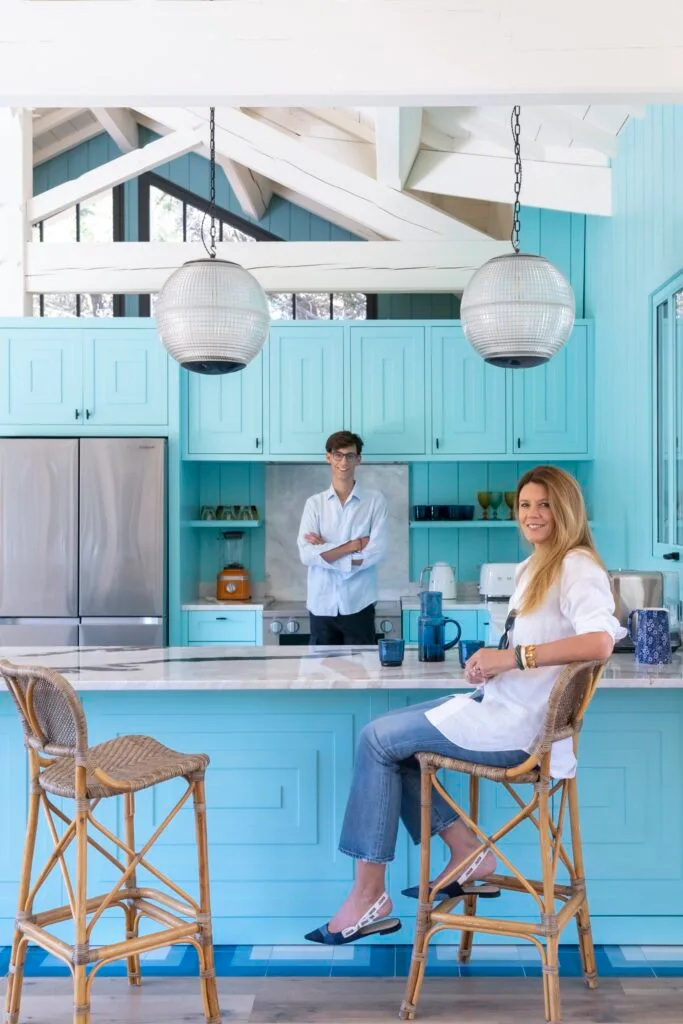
pixel 562 611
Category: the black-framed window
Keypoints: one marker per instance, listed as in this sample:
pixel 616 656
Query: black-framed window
pixel 97 219
pixel 170 213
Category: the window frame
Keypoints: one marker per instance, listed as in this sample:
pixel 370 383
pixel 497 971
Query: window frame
pixel 150 179
pixel 665 295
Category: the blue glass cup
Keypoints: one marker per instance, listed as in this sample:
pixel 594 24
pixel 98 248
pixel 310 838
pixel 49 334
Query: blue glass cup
pixel 466 648
pixel 391 652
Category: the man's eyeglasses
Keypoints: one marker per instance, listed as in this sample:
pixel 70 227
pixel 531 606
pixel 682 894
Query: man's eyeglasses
pixel 504 641
pixel 344 456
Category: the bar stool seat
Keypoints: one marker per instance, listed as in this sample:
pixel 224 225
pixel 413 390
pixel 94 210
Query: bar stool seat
pixel 62 764
pixel 547 808
pixel 137 762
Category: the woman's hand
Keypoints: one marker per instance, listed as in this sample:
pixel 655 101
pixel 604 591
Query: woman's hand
pixel 314 538
pixel 487 663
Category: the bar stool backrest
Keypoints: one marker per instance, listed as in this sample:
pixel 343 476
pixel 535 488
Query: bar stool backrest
pixel 51 713
pixel 567 704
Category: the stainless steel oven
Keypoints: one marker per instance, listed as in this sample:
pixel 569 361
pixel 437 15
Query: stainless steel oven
pixel 286 623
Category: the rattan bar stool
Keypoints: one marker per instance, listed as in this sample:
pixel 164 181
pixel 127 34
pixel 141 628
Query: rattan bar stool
pixel 567 705
pixel 62 765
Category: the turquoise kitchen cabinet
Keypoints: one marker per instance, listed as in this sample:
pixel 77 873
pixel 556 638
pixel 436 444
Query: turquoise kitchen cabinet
pixel 125 377
pixel 469 398
pixel 83 375
pixel 388 388
pixel 224 627
pixel 41 379
pixel 225 412
pixel 552 403
pixel 306 378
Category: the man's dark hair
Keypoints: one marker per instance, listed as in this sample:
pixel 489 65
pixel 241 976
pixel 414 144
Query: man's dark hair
pixel 344 439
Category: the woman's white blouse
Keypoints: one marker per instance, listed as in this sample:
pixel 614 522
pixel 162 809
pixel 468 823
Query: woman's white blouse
pixel 510 715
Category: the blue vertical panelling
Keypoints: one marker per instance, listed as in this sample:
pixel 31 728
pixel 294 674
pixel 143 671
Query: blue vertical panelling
pixel 628 256
pixel 74 162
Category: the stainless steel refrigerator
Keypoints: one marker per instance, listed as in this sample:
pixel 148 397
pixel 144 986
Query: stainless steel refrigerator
pixel 83 541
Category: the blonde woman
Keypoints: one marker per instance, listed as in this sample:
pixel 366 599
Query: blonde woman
pixel 562 611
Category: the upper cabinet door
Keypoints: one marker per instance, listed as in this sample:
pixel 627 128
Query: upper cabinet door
pixel 468 398
pixel 306 387
pixel 41 380
pixel 125 377
pixel 551 402
pixel 387 388
pixel 225 413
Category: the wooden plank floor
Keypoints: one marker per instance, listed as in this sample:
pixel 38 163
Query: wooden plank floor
pixel 299 1000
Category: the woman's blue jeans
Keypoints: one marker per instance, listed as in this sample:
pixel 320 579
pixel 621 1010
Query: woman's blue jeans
pixel 386 781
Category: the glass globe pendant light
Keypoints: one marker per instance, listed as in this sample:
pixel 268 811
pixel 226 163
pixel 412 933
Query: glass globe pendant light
pixel 212 315
pixel 517 310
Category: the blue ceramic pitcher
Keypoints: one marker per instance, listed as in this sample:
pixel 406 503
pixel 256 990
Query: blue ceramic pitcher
pixel 650 632
pixel 431 628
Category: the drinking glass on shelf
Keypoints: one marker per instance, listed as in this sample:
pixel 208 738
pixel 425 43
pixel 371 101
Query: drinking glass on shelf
pixel 484 499
pixel 245 512
pixel 510 502
pixel 495 500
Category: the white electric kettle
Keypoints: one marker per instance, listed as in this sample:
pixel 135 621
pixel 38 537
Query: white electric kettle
pixel 441 577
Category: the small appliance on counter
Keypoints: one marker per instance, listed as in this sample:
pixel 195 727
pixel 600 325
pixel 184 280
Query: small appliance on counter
pixel 634 589
pixel 233 582
pixel 441 577
pixel 497 580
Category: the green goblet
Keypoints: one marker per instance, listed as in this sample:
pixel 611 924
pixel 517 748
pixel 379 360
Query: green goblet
pixel 495 501
pixel 484 499
pixel 510 502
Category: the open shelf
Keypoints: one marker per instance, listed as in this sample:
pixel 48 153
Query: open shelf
pixel 461 524
pixel 224 524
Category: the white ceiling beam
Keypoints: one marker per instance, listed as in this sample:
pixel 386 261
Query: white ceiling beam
pixel 89 131
pixel 271 53
pixel 252 191
pixel 16 187
pixel 397 138
pixel 579 131
pixel 347 223
pixel 54 119
pixel 141 267
pixel 120 125
pixel 483 126
pixel 123 168
pixel 343 189
pixel 571 187
pixel 347 121
pixel 335 143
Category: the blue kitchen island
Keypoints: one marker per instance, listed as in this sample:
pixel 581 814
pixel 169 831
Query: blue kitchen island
pixel 280 725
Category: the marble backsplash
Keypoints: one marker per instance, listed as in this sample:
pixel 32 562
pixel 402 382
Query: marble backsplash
pixel 288 486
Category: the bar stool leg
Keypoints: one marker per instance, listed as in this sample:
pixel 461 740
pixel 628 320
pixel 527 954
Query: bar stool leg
pixel 15 977
pixel 132 962
pixel 470 902
pixel 212 1010
pixel 81 945
pixel 583 920
pixel 418 960
pixel 551 978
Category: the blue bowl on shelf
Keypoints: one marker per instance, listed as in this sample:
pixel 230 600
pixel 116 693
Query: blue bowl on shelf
pixel 460 513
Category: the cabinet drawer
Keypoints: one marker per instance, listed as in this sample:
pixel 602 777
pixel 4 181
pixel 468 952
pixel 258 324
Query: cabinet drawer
pixel 223 627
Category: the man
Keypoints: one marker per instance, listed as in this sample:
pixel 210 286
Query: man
pixel 342 538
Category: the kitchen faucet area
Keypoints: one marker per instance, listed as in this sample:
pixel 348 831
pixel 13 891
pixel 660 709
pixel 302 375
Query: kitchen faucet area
pixel 341 512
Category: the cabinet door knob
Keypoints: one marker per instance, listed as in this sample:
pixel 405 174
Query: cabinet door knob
pixel 221 618
pixel 258 442
pixel 77 413
pixel 88 414
pixel 672 556
pixel 519 442
pixel 437 444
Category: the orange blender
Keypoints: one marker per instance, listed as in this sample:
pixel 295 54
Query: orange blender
pixel 233 579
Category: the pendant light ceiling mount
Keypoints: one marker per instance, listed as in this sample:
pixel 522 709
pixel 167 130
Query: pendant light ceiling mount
pixel 212 315
pixel 517 310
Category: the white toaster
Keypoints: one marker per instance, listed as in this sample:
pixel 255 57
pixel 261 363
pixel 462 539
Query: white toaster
pixel 497 580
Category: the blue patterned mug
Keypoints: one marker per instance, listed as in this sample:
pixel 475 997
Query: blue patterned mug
pixel 649 628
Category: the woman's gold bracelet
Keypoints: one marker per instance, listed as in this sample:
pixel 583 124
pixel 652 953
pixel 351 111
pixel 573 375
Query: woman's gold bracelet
pixel 529 655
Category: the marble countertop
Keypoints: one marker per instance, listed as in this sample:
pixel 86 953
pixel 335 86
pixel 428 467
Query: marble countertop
pixel 207 604
pixel 285 668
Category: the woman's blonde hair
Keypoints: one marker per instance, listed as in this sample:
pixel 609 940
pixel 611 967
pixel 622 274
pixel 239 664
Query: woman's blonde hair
pixel 571 532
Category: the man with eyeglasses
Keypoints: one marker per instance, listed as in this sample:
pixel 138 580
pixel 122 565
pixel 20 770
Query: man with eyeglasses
pixel 342 538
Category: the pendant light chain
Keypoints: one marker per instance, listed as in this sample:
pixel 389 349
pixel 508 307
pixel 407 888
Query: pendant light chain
pixel 212 179
pixel 514 125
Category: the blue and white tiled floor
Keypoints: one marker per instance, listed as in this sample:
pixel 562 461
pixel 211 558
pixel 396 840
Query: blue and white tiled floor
pixel 364 961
